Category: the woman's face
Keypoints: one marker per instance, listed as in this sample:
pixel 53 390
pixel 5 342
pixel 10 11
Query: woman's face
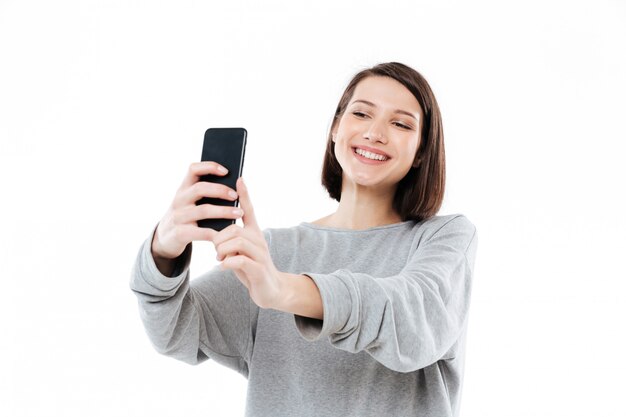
pixel 382 114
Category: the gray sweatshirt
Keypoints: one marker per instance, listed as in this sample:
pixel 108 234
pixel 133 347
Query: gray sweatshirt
pixel 392 341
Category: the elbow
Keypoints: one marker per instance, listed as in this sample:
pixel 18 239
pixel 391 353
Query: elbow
pixel 419 356
pixel 402 363
pixel 179 350
pixel 187 357
pixel 409 366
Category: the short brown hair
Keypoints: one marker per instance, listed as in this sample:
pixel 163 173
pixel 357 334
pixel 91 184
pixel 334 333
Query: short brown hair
pixel 420 193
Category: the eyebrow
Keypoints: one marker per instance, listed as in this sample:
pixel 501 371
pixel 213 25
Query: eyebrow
pixel 369 103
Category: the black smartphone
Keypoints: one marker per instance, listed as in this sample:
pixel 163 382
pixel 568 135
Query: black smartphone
pixel 227 147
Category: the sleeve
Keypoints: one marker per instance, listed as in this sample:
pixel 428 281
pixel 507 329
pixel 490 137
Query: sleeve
pixel 192 321
pixel 406 321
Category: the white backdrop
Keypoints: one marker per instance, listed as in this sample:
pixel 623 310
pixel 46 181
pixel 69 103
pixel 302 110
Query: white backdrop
pixel 103 106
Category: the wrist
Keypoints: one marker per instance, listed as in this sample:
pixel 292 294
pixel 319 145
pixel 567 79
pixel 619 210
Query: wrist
pixel 299 295
pixel 286 292
pixel 158 253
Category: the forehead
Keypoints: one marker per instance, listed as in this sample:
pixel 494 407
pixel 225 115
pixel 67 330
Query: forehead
pixel 387 93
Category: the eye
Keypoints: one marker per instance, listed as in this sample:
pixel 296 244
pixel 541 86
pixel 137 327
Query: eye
pixel 359 114
pixel 403 126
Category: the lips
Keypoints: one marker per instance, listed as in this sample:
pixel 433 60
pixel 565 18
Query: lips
pixel 372 150
pixel 368 161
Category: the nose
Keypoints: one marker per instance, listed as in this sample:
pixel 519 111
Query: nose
pixel 375 132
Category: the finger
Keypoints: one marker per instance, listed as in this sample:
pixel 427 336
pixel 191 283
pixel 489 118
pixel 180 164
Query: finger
pixel 202 189
pixel 234 230
pixel 193 213
pixel 228 264
pixel 227 233
pixel 239 246
pixel 249 218
pixel 192 233
pixel 198 169
pixel 239 263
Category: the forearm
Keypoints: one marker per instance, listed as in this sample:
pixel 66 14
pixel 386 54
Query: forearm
pixel 301 297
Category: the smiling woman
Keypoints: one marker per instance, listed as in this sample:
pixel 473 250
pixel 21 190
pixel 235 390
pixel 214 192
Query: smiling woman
pixel 360 313
pixel 388 110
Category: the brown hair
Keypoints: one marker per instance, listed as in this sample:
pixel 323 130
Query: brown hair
pixel 419 194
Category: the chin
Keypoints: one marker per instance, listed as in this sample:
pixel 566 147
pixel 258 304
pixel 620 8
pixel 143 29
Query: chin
pixel 365 180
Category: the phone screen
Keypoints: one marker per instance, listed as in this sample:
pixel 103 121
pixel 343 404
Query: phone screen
pixel 226 146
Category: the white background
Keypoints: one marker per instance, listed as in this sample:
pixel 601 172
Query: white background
pixel 103 106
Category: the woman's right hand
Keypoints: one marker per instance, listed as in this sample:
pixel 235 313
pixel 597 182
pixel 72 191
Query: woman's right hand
pixel 179 226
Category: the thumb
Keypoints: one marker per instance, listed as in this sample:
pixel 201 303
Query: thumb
pixel 249 219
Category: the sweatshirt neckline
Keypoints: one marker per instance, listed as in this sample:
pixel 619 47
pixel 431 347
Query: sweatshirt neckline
pixel 369 229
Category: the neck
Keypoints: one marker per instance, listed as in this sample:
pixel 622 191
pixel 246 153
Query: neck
pixel 363 207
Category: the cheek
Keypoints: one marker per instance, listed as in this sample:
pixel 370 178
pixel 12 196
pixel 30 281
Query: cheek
pixel 409 152
pixel 412 145
pixel 347 125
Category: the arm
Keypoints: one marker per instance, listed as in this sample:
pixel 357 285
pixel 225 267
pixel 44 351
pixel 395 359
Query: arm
pixel 192 321
pixel 406 321
pixel 302 297
pixel 166 266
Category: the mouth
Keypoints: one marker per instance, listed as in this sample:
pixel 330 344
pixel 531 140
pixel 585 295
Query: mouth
pixel 369 158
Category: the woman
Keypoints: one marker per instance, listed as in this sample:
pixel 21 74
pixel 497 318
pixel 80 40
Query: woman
pixel 360 313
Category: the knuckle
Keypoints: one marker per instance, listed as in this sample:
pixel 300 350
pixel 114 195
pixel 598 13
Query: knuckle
pixel 204 188
pixel 195 188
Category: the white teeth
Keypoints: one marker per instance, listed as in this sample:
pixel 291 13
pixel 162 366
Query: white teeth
pixel 370 155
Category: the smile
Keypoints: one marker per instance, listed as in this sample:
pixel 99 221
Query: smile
pixel 368 157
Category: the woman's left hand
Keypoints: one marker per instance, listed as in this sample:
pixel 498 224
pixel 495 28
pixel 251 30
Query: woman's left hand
pixel 245 251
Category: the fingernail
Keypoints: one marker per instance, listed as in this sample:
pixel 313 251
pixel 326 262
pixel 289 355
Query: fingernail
pixel 232 194
pixel 222 169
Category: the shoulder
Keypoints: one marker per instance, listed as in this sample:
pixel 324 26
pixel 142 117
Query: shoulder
pixel 457 227
pixel 275 231
pixel 457 221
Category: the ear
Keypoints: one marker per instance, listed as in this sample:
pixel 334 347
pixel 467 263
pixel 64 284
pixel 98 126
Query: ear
pixel 416 162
